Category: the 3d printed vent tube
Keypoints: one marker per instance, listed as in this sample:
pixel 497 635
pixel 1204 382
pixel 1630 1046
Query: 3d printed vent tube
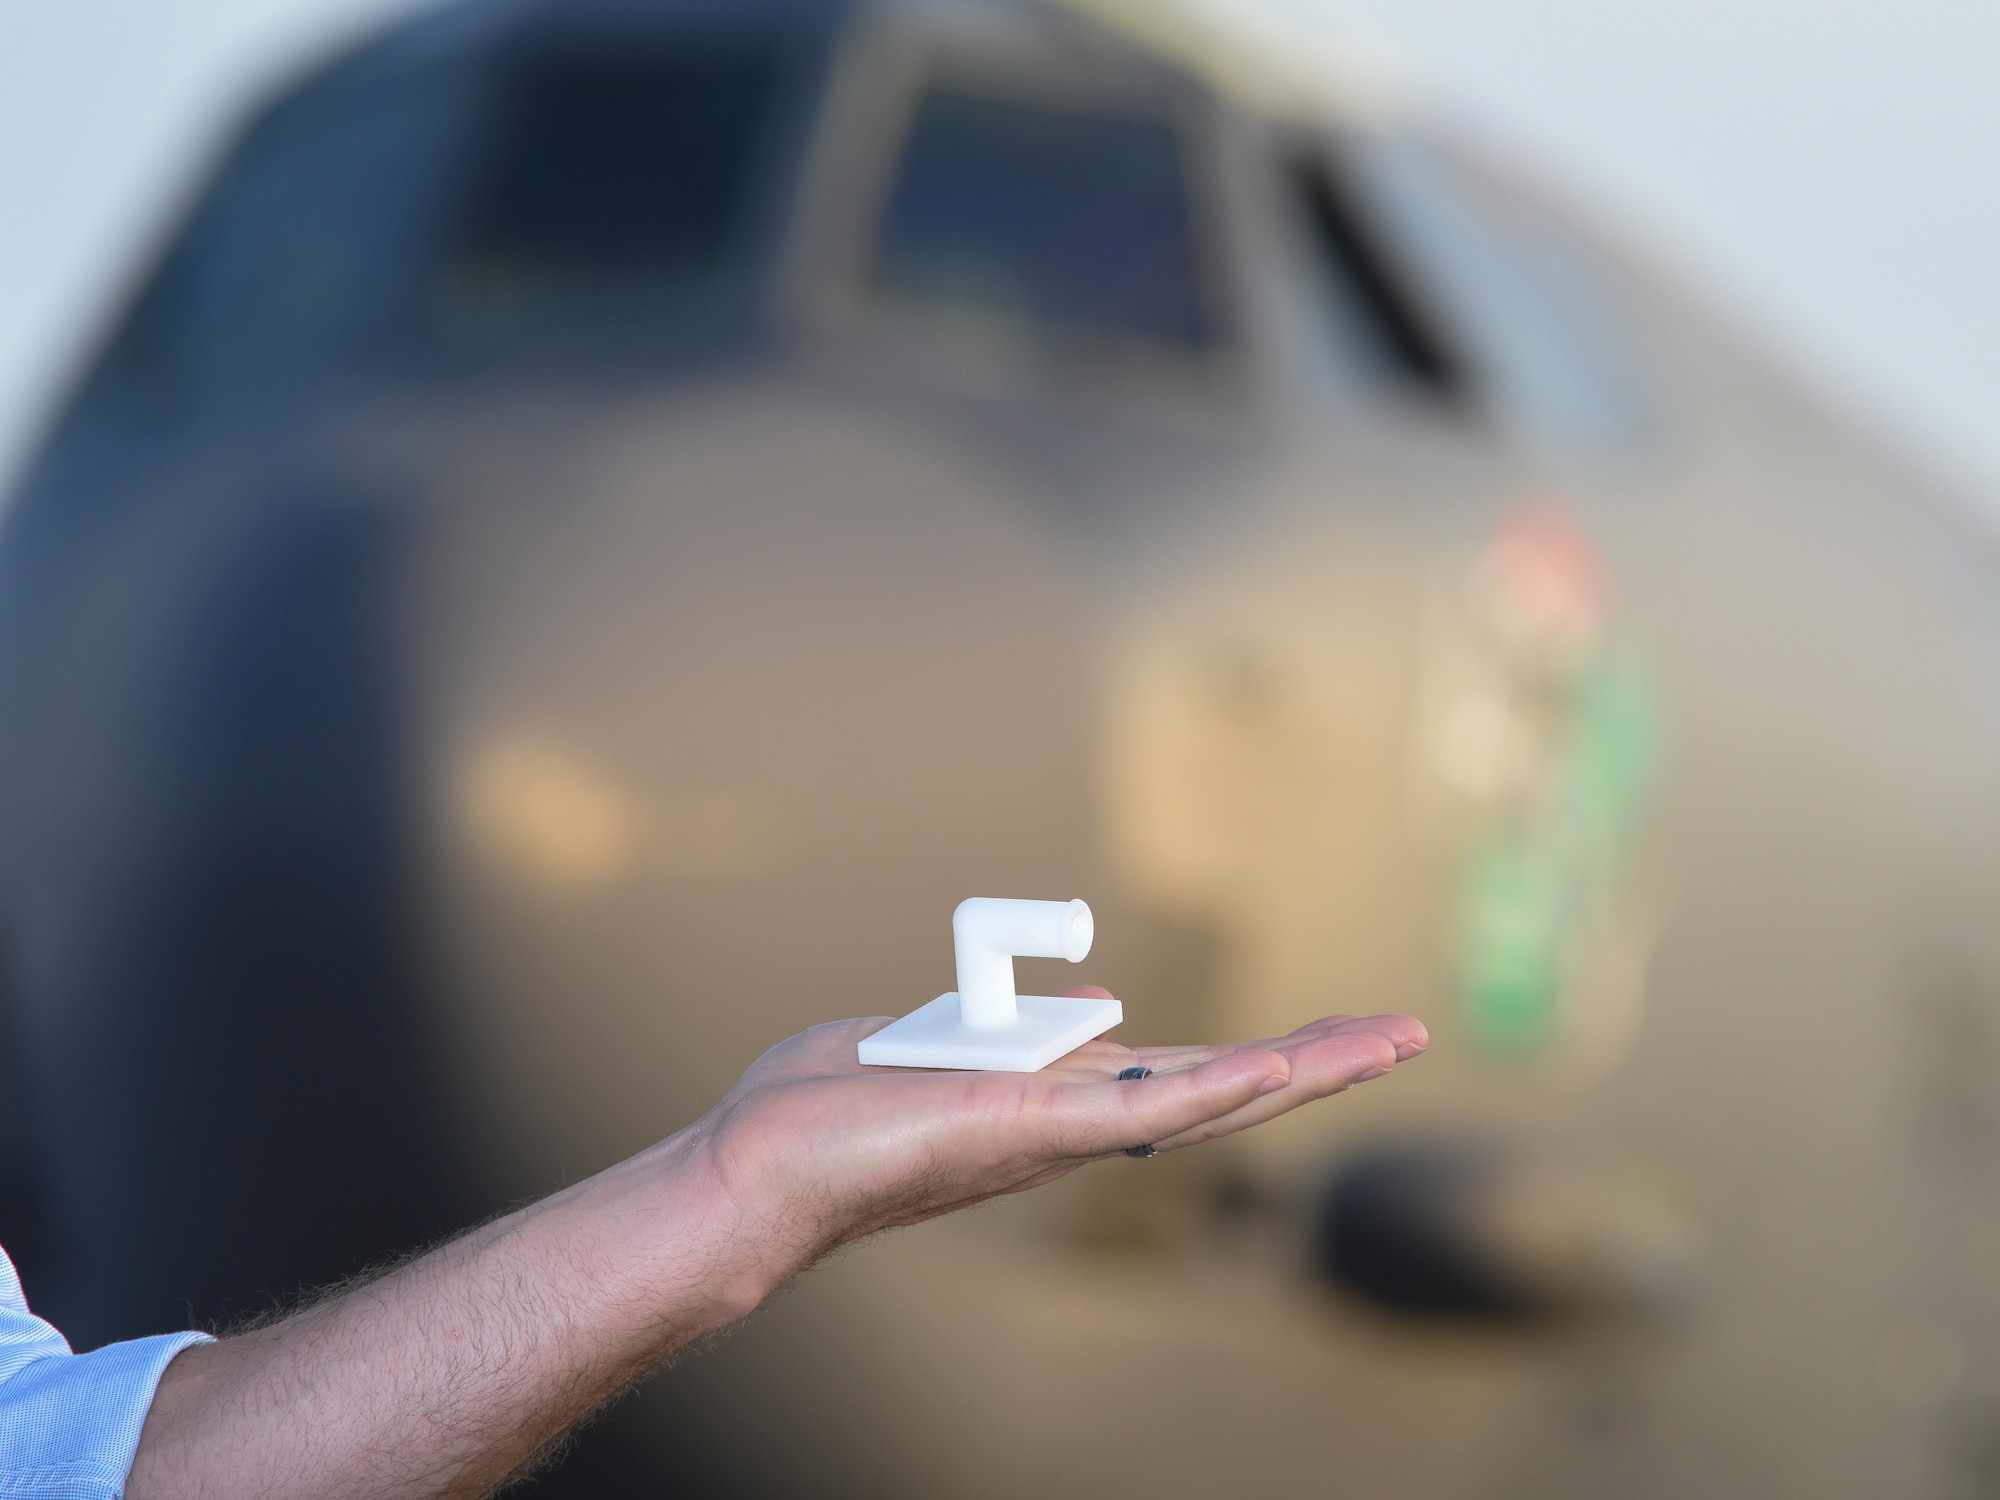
pixel 984 1025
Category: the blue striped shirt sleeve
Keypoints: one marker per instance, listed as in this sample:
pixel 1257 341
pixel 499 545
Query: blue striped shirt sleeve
pixel 69 1423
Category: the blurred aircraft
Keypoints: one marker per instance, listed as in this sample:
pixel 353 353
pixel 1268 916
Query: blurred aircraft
pixel 609 518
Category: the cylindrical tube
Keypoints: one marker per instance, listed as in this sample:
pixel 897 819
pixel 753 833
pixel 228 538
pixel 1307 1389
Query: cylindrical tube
pixel 988 933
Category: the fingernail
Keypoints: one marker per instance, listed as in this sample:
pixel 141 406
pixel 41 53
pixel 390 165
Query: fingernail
pixel 1371 1073
pixel 1272 1084
pixel 1407 1050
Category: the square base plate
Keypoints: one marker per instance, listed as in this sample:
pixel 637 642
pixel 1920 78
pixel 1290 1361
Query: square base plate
pixel 1047 1027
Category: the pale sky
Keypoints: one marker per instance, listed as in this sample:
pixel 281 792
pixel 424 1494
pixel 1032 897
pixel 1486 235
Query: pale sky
pixel 1830 169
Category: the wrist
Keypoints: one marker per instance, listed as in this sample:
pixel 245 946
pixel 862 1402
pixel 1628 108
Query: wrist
pixel 688 1242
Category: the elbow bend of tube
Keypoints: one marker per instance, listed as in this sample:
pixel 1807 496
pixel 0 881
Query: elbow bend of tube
pixel 989 933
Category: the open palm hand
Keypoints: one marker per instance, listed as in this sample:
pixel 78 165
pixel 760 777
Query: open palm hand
pixel 832 1150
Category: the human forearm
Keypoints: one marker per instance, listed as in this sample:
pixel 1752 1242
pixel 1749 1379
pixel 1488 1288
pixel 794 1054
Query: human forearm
pixel 445 1376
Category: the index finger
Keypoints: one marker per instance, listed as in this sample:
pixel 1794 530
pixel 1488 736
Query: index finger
pixel 1406 1034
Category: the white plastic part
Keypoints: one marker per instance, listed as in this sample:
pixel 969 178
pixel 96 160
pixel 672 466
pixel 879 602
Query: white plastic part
pixel 983 1024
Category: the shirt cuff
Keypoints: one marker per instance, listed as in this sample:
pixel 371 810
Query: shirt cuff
pixel 69 1423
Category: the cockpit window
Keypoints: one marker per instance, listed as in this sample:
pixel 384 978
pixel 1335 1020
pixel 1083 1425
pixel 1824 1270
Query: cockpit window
pixel 1401 335
pixel 609 180
pixel 1069 218
pixel 1544 338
